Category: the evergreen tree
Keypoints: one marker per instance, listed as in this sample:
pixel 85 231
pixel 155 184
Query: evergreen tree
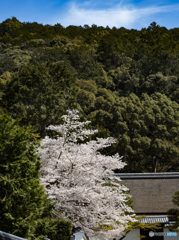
pixel 25 209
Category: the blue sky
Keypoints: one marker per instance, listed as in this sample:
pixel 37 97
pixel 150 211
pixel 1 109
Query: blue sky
pixel 119 13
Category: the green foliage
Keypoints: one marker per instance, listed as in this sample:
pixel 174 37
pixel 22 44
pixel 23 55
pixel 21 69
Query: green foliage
pixel 6 64
pixel 83 59
pixel 16 57
pixel 175 212
pixel 176 198
pixel 25 209
pixel 125 81
pixel 105 227
pixel 85 96
pixel 39 94
pixel 110 185
pixel 147 132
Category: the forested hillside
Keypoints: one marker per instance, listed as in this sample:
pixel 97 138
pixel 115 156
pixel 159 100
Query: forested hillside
pixel 124 81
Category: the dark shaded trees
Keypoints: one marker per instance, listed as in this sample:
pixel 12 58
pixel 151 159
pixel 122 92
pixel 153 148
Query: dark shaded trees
pixel 39 94
pixel 147 131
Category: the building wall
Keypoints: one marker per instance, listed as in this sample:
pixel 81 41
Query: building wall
pixel 133 235
pixel 79 235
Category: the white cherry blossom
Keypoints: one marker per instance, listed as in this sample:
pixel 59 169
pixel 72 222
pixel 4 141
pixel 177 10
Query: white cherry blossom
pixel 81 180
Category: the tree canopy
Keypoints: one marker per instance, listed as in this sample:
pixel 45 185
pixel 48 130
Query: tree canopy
pixel 124 81
pixel 38 93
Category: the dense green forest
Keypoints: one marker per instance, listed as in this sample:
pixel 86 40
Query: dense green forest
pixel 124 81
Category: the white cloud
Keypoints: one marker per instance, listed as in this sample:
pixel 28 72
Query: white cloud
pixel 127 16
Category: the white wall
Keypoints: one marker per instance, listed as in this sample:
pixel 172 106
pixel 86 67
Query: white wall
pixel 134 235
pixel 79 235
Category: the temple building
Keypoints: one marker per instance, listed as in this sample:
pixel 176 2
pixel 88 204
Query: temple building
pixel 152 198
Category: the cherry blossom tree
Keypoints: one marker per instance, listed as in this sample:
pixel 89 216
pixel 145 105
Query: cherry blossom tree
pixel 81 181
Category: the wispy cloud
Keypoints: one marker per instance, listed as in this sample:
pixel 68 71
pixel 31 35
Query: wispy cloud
pixel 119 15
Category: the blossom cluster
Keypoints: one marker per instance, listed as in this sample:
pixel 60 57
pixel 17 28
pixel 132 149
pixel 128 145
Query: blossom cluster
pixel 81 180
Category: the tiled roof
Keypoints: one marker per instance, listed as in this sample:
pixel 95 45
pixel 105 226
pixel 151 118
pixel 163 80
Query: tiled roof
pixel 151 192
pixel 155 219
pixel 163 175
